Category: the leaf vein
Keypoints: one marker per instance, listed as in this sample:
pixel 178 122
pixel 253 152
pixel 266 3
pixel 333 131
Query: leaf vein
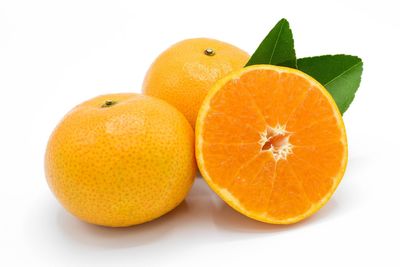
pixel 343 73
pixel 276 43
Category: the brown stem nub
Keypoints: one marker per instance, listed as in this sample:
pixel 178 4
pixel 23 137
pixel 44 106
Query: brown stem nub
pixel 108 103
pixel 209 52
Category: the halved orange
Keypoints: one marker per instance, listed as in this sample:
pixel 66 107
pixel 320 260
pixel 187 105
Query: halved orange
pixel 270 141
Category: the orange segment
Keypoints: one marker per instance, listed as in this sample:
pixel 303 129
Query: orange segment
pixel 270 141
pixel 270 88
pixel 228 159
pixel 253 184
pixel 288 198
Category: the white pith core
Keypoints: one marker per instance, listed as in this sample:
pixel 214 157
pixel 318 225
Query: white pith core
pixel 276 141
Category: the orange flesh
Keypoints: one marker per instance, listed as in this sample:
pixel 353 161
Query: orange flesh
pixel 238 129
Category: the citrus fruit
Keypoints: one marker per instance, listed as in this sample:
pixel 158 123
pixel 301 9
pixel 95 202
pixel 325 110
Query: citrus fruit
pixel 121 159
pixel 271 142
pixel 183 74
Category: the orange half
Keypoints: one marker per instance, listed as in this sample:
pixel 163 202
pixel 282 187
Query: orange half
pixel 270 141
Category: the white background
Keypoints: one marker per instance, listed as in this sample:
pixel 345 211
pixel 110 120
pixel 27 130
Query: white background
pixel 55 54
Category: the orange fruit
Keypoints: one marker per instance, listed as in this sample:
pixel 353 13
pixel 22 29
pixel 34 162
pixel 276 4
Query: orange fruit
pixel 183 74
pixel 271 142
pixel 121 159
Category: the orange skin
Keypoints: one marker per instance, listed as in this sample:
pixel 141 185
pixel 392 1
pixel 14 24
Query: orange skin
pixel 184 73
pixel 121 159
pixel 270 141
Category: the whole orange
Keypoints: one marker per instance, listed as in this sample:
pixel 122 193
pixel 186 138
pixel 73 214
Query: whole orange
pixel 121 159
pixel 183 74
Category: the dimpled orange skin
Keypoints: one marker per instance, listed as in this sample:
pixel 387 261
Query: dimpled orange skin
pixel 183 74
pixel 123 164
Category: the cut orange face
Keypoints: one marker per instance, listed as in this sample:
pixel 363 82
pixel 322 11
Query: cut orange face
pixel 270 141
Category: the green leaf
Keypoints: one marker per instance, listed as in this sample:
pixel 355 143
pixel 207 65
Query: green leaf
pixel 340 74
pixel 277 48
